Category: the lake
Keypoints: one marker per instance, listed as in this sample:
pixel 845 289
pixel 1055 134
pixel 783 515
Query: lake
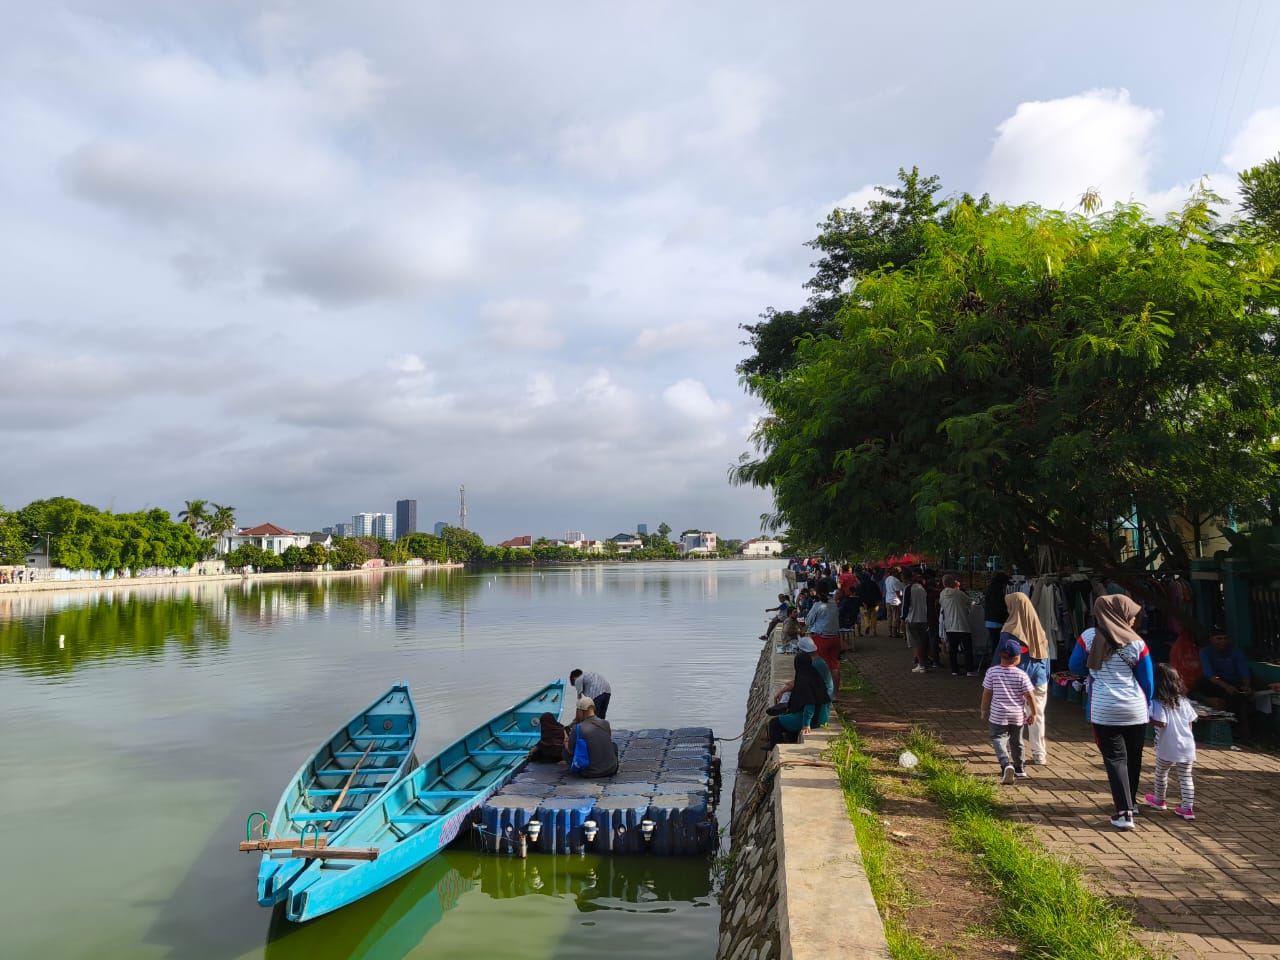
pixel 137 745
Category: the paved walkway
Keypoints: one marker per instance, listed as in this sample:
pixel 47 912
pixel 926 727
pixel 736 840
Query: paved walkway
pixel 1208 888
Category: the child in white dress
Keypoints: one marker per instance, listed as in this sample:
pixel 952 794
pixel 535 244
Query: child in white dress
pixel 1172 715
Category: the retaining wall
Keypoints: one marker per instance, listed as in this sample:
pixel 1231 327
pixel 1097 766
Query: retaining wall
pixel 796 889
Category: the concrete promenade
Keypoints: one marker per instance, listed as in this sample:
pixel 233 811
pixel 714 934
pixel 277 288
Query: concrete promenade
pixel 1208 888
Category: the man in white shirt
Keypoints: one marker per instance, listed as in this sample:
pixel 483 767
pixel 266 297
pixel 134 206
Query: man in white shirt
pixel 594 687
pixel 893 601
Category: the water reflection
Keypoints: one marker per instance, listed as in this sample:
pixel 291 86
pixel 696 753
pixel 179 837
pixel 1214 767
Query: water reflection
pixel 385 925
pixel 390 923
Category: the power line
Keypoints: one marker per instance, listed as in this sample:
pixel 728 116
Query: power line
pixel 1226 124
pixel 1217 98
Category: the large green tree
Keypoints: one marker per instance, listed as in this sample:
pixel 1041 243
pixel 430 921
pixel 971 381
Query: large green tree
pixel 1031 378
pixel 1260 190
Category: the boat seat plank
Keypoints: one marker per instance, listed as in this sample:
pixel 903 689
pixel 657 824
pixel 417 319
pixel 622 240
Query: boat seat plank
pixel 445 794
pixel 366 737
pixel 335 853
pixel 400 821
pixel 498 753
pixel 332 815
pixel 518 735
pixel 364 771
pixel 351 791
pixel 357 754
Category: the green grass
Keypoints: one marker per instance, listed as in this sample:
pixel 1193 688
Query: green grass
pixel 863 800
pixel 1044 903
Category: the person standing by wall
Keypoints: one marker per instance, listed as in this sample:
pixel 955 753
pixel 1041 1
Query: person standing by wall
pixel 822 623
pixel 1120 689
pixel 893 600
pixel 915 616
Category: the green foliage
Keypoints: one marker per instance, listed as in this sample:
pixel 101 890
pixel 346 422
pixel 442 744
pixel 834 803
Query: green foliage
pixel 664 530
pixel 1260 187
pixel 81 537
pixel 13 539
pixel 427 546
pixel 1028 379
pixel 463 545
pixel 347 554
pixel 292 557
pixel 196 516
pixel 248 555
pixel 886 234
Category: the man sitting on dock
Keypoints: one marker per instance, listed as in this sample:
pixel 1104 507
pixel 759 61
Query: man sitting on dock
pixel 602 753
pixel 593 686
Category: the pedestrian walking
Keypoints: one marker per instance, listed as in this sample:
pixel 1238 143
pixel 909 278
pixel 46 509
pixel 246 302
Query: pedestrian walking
pixel 1172 715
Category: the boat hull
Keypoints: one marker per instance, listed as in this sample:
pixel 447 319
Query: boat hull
pixel 424 812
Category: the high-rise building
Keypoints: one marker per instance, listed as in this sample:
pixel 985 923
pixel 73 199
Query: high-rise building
pixel 439 527
pixel 342 530
pixel 373 525
pixel 642 529
pixel 574 536
pixel 406 518
pixel 329 530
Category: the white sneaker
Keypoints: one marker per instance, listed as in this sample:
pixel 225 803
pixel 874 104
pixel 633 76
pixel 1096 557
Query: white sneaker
pixel 918 669
pixel 1123 821
pixel 1008 775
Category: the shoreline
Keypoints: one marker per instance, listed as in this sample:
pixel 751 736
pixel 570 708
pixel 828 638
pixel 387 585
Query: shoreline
pixel 49 586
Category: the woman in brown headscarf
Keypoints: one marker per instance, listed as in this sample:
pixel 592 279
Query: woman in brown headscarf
pixel 1023 625
pixel 1121 682
pixel 550 748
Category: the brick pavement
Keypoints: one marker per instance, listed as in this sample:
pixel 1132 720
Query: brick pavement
pixel 1209 888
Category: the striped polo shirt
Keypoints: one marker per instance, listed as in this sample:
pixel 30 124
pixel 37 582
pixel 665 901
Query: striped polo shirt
pixel 1116 699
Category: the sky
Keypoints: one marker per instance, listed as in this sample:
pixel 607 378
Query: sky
pixel 307 259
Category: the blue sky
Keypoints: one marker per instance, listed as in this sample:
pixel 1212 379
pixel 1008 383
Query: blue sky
pixel 310 258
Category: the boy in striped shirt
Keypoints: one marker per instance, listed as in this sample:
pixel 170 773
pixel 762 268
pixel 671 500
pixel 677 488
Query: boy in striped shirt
pixel 1008 703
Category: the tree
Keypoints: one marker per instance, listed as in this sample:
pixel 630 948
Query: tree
pixel 1260 187
pixel 221 521
pixel 314 555
pixel 13 539
pixel 887 234
pixel 292 557
pixel 347 553
pixel 196 515
pixel 664 530
pixel 1032 378
pixel 463 545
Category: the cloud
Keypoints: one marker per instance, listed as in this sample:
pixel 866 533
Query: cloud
pixel 689 398
pixel 1050 152
pixel 1257 141
pixel 520 324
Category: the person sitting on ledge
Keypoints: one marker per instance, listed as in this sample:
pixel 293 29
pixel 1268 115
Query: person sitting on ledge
pixel 1225 680
pixel 550 749
pixel 808 694
pixel 602 752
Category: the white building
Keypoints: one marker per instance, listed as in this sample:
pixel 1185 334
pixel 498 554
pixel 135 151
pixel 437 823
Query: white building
pixel 373 525
pixel 703 542
pixel 761 547
pixel 266 537
pixel 627 542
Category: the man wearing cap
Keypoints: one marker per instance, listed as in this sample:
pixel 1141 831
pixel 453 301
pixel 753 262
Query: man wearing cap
pixel 822 713
pixel 593 686
pixel 602 753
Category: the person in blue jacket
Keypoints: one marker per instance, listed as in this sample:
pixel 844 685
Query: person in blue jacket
pixel 807 695
pixel 1121 682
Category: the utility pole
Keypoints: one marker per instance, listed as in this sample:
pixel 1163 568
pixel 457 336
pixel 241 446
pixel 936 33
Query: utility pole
pixel 462 506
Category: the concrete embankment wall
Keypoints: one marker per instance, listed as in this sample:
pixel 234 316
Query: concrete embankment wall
pixel 796 889
pixel 41 586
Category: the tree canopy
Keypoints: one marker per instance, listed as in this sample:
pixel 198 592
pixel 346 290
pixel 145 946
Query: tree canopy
pixel 1029 379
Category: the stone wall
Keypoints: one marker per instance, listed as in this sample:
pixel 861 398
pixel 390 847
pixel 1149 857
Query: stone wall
pixel 796 888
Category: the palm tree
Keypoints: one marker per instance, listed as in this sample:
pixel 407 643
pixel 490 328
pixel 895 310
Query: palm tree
pixel 221 521
pixel 196 516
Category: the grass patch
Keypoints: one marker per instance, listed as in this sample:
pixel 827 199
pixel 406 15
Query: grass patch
pixel 1044 903
pixel 863 800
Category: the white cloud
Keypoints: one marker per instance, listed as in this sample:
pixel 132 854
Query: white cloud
pixel 521 324
pixel 1050 152
pixel 689 398
pixel 1257 141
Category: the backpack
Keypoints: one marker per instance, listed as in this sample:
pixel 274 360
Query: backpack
pixel 581 758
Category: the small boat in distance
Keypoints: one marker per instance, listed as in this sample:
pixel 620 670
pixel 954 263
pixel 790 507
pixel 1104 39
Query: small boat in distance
pixel 365 757
pixel 410 823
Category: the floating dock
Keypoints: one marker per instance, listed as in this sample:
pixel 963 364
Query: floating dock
pixel 662 800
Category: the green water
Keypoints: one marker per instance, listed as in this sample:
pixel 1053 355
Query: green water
pixel 142 725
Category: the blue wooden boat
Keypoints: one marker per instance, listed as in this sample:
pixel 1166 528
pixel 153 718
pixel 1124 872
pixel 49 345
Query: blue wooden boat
pixel 364 757
pixel 406 826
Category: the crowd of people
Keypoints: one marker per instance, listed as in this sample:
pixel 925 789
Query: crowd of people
pixel 1012 654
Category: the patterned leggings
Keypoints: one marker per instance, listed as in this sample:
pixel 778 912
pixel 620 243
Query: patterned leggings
pixel 1186 787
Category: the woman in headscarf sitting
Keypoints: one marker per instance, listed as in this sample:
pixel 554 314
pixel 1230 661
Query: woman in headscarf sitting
pixel 808 694
pixel 1023 626
pixel 1121 682
pixel 550 749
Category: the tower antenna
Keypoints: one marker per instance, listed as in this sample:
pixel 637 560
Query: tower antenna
pixel 462 506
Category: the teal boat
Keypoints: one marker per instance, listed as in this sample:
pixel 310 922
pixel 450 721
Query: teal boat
pixel 365 757
pixel 419 816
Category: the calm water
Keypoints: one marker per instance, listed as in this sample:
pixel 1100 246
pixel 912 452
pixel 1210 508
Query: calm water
pixel 134 749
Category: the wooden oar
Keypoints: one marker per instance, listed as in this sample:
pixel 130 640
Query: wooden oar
pixel 350 780
pixel 335 853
